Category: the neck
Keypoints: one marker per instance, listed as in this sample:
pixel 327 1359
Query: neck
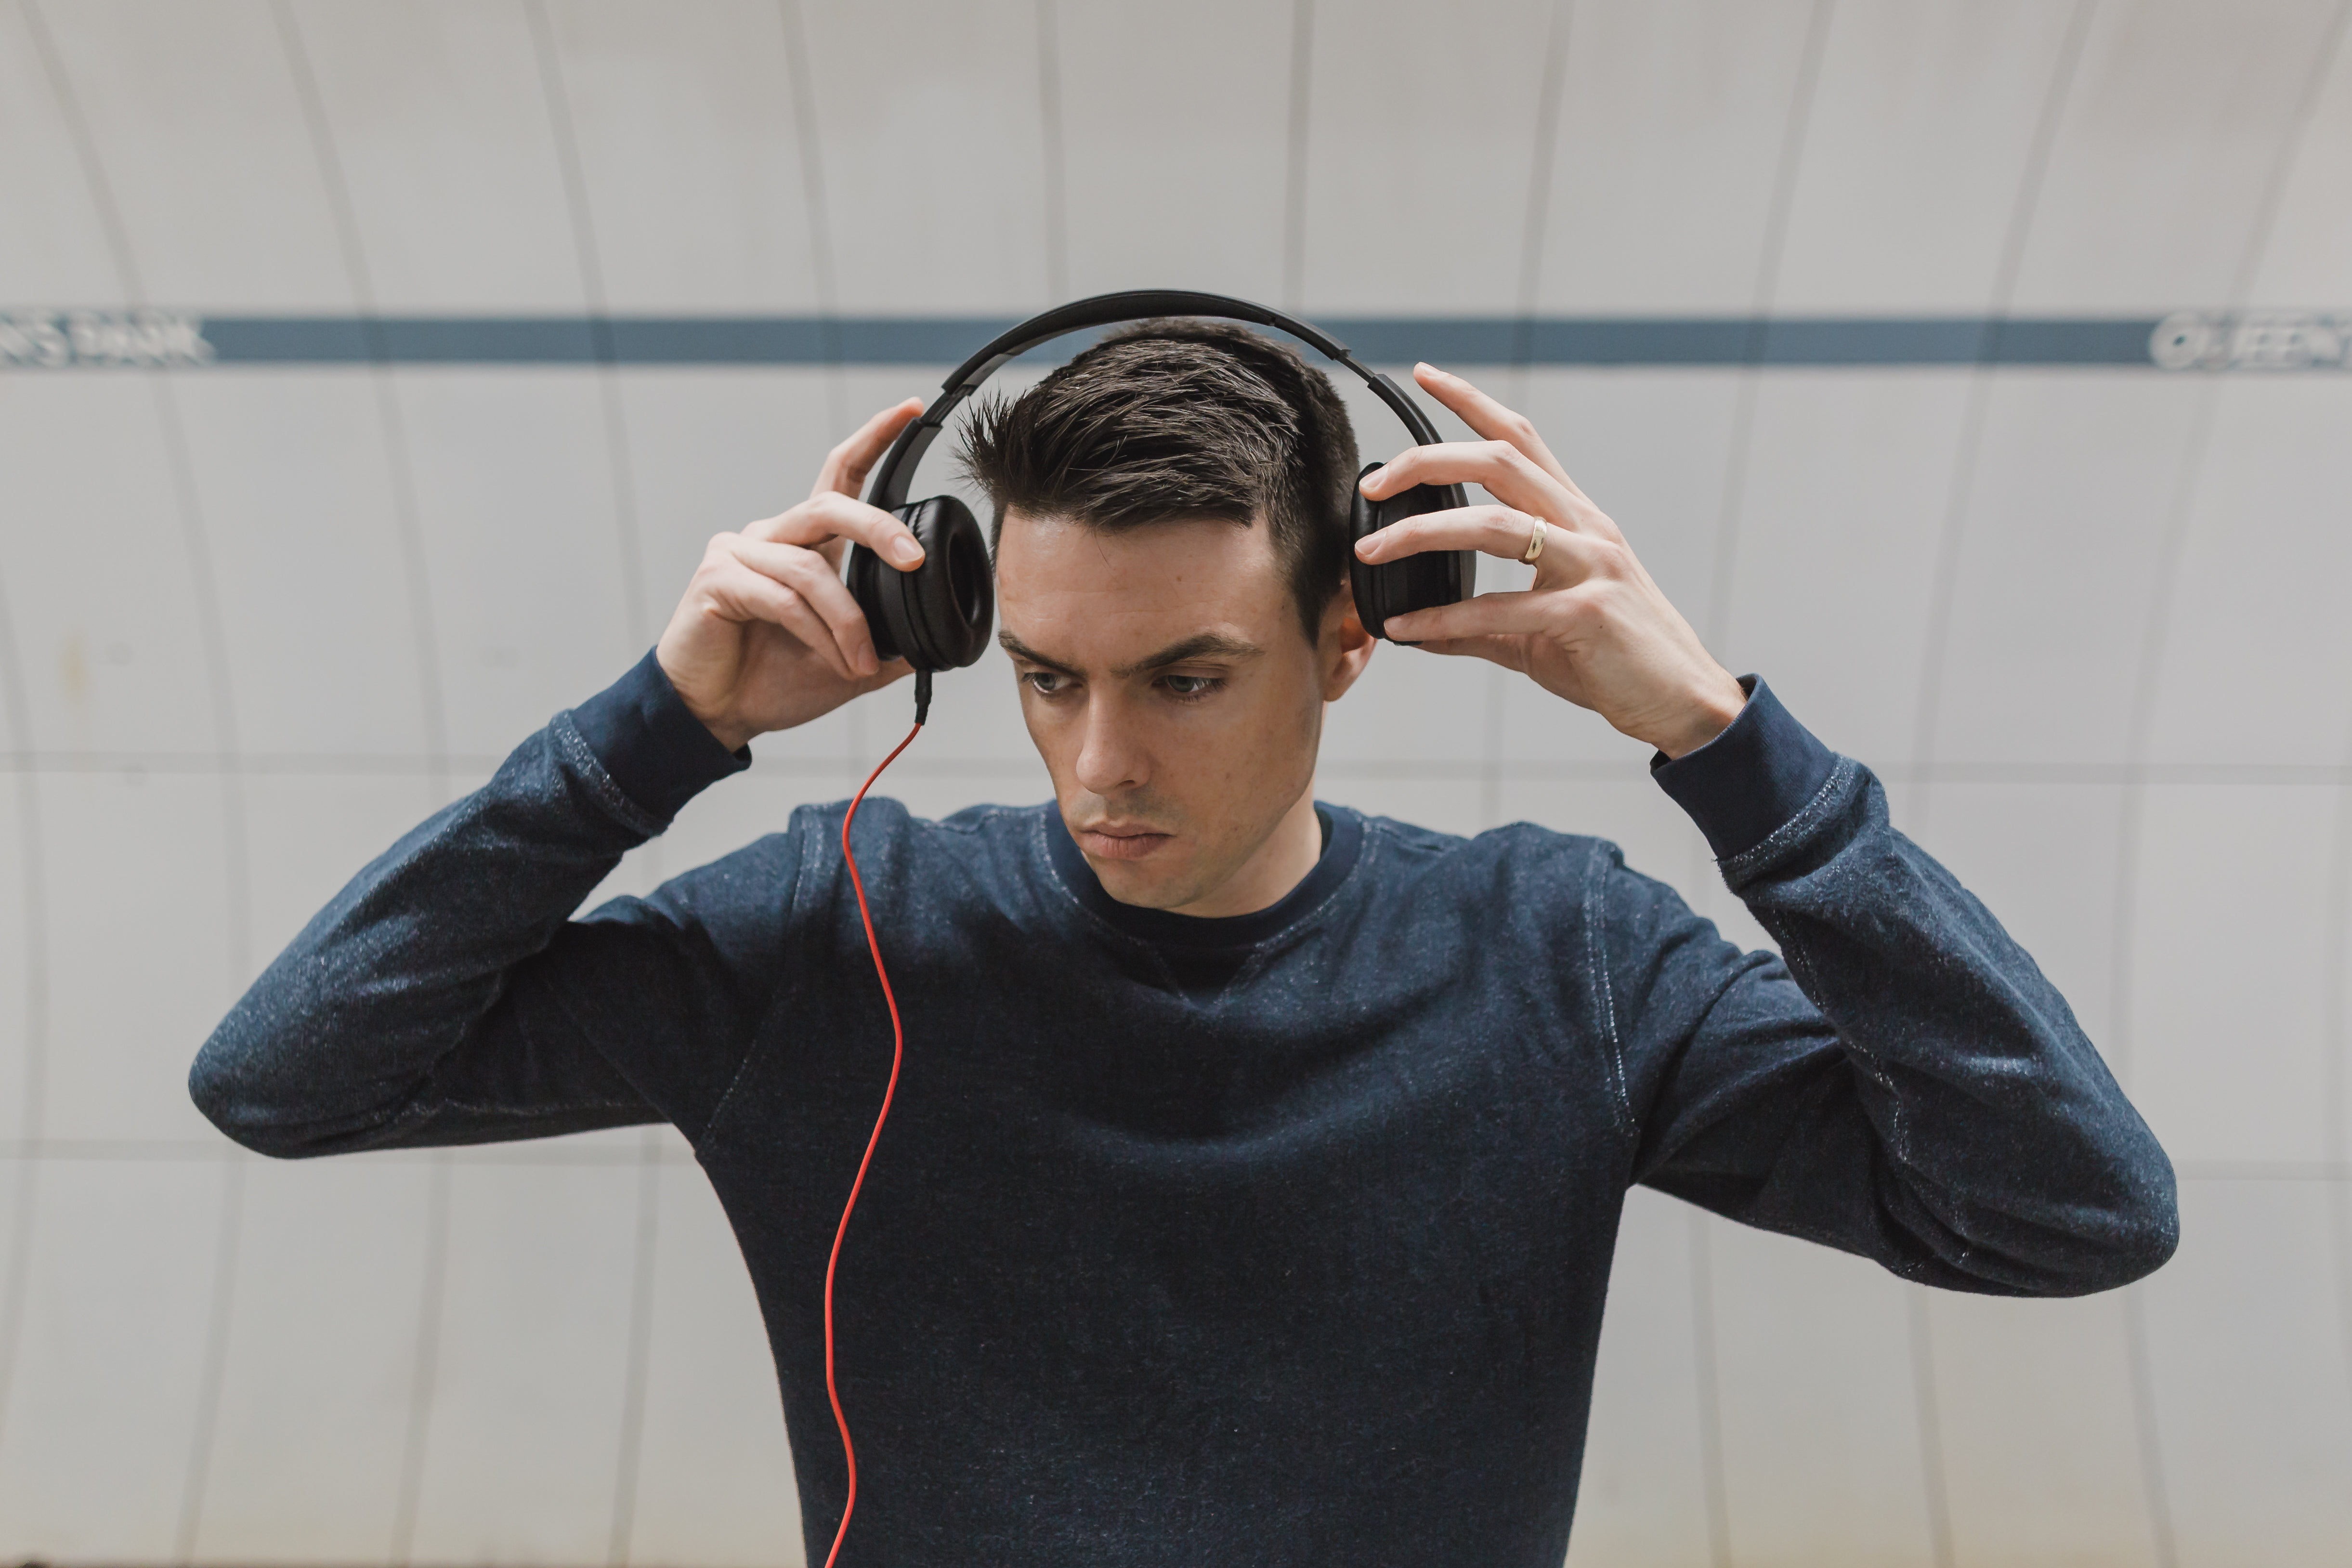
pixel 1280 864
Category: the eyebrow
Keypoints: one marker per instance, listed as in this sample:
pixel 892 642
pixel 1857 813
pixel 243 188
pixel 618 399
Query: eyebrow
pixel 1200 644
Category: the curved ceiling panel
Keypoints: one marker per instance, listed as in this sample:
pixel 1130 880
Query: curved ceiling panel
pixel 2084 617
pixel 314 580
pixel 1672 118
pixel 438 118
pixel 693 169
pixel 1920 137
pixel 532 572
pixel 2056 566
pixel 2309 252
pixel 934 129
pixel 2165 152
pixel 53 247
pixel 2261 596
pixel 325 1336
pixel 1177 143
pixel 1420 140
pixel 196 121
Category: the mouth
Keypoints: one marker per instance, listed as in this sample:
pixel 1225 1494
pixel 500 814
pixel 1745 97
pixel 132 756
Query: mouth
pixel 1120 841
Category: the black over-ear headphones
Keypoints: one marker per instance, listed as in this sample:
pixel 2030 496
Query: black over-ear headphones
pixel 938 616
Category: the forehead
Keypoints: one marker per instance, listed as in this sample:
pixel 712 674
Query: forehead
pixel 1091 594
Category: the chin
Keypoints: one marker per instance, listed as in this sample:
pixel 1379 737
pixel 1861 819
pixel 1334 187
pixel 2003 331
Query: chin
pixel 1147 887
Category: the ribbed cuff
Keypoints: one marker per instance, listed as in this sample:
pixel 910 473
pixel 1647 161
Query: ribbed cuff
pixel 1743 784
pixel 651 743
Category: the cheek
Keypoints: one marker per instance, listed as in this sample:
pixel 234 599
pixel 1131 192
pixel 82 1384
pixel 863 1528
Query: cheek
pixel 1050 730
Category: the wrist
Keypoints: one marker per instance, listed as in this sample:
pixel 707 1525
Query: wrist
pixel 650 743
pixel 1708 713
pixel 731 733
pixel 734 737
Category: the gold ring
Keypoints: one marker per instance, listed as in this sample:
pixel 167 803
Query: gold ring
pixel 1535 543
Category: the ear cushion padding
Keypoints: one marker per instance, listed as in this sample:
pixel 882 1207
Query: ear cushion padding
pixel 1419 582
pixel 939 615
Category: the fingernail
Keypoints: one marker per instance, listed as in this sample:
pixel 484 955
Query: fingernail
pixel 1367 482
pixel 907 552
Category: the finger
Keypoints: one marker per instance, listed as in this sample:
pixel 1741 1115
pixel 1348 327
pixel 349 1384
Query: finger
pixel 1509 475
pixel 1512 613
pixel 1510 652
pixel 741 593
pixel 1489 417
pixel 810 575
pixel 1498 530
pixel 845 466
pixel 833 515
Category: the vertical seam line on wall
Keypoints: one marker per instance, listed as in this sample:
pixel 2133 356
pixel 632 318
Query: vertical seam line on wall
pixel 799 69
pixel 1718 620
pixel 1541 162
pixel 574 178
pixel 213 635
pixel 1294 182
pixel 2022 210
pixel 1707 1378
pixel 392 427
pixel 1767 282
pixel 15 1283
pixel 627 1479
pixel 399 465
pixel 2123 931
pixel 1049 115
pixel 1929 1415
pixel 431 1301
pixel 2336 1049
pixel 1703 880
pixel 2024 207
pixel 812 192
pixel 216 1352
pixel 592 278
pixel 1532 247
pixel 2150 1440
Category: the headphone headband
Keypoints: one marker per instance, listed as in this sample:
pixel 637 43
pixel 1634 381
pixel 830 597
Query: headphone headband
pixel 897 470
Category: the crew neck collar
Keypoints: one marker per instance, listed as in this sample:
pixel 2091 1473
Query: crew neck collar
pixel 1343 838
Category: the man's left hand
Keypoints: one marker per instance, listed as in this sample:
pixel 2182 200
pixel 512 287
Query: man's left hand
pixel 1593 628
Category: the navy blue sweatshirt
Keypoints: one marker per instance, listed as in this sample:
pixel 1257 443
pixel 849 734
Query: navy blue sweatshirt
pixel 1274 1239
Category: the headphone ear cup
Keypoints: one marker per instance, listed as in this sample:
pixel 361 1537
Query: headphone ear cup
pixel 950 598
pixel 874 586
pixel 1420 582
pixel 1363 580
pixel 939 615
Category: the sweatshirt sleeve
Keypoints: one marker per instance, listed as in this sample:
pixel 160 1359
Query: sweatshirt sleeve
pixel 1904 1083
pixel 446 995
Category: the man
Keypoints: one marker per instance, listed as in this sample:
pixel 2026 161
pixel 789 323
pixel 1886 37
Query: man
pixel 1251 1191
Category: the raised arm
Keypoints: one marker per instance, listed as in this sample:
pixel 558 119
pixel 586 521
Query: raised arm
pixel 1907 1085
pixel 446 995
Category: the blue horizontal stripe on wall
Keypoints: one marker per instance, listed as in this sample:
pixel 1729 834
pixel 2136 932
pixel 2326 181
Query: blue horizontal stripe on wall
pixel 1386 340
pixel 63 338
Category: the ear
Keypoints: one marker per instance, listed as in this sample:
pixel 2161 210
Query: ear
pixel 1344 647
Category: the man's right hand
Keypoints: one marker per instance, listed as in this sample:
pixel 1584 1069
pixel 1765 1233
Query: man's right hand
pixel 767 636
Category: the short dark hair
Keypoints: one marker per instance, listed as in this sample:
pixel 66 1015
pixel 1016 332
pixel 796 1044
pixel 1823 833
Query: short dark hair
pixel 1177 418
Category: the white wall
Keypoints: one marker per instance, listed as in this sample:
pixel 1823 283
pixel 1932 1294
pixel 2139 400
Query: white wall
pixel 256 622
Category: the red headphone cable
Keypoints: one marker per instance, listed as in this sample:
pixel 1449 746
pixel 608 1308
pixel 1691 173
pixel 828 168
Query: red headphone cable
pixel 898 1053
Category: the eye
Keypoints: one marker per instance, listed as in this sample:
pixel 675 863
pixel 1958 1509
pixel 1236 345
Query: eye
pixel 1045 683
pixel 1190 687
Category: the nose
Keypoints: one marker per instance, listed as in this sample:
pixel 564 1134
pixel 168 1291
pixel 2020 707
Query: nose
pixel 1110 757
